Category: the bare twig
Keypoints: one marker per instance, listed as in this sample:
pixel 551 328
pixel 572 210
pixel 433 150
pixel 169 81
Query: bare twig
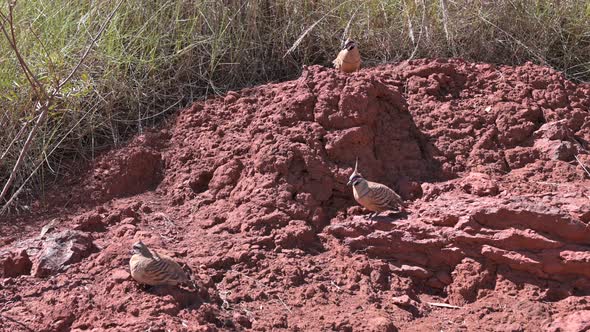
pixel 421 30
pixel 582 164
pixel 443 305
pixel 223 296
pixel 410 28
pixel 8 19
pixel 345 33
pixel 549 183
pixel 284 305
pixel 445 16
pixel 34 171
pixel 41 106
pixel 532 52
pixel 92 42
pixel 16 137
pixel 298 41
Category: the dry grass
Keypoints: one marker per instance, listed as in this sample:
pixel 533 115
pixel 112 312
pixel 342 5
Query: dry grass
pixel 158 56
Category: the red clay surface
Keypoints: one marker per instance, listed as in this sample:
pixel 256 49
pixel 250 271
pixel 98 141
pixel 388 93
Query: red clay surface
pixel 249 191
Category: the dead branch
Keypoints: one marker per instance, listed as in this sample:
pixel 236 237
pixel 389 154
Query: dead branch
pixel 25 148
pixel 345 34
pixel 302 36
pixel 16 137
pixel 92 42
pixel 443 305
pixel 421 31
pixel 582 164
pixel 11 38
pixel 18 191
pixel 45 100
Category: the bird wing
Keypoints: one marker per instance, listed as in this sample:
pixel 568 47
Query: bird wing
pixel 165 271
pixel 384 197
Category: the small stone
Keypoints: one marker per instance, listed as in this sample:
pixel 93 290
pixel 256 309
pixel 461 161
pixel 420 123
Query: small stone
pixel 120 275
pixel 15 264
pixel 125 230
pixel 146 209
pixel 309 292
pixel 89 223
pixel 128 212
pixel 382 324
pixel 129 220
pixel 242 320
pixel 479 184
pixel 404 301
pixel 414 271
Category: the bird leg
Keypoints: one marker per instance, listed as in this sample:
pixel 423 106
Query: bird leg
pixel 145 288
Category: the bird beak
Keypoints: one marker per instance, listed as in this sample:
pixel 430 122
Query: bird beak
pixel 349 183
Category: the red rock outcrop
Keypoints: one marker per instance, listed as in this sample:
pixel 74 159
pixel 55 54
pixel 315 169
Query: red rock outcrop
pixel 249 190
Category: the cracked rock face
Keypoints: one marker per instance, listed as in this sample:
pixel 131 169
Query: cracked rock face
pixel 60 250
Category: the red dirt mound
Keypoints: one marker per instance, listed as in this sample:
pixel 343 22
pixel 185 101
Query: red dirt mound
pixel 249 191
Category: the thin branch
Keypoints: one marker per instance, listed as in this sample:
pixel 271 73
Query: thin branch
pixel 298 41
pixel 23 152
pixel 541 59
pixel 345 33
pixel 11 38
pixel 582 164
pixel 445 16
pixel 410 27
pixel 92 42
pixel 42 107
pixel 443 305
pixel 421 30
pixel 43 46
pixel 16 137
pixel 18 191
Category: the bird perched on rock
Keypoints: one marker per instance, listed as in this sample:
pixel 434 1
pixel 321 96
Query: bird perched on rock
pixel 349 58
pixel 375 197
pixel 153 269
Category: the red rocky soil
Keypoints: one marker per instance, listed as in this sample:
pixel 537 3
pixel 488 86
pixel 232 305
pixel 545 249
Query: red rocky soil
pixel 249 191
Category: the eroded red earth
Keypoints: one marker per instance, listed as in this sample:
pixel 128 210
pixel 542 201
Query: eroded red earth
pixel 249 191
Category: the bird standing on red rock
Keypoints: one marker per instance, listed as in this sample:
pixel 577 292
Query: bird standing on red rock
pixel 373 196
pixel 349 58
pixel 153 269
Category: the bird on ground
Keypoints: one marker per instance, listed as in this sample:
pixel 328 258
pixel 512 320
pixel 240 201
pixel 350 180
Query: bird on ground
pixel 374 196
pixel 349 58
pixel 153 269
